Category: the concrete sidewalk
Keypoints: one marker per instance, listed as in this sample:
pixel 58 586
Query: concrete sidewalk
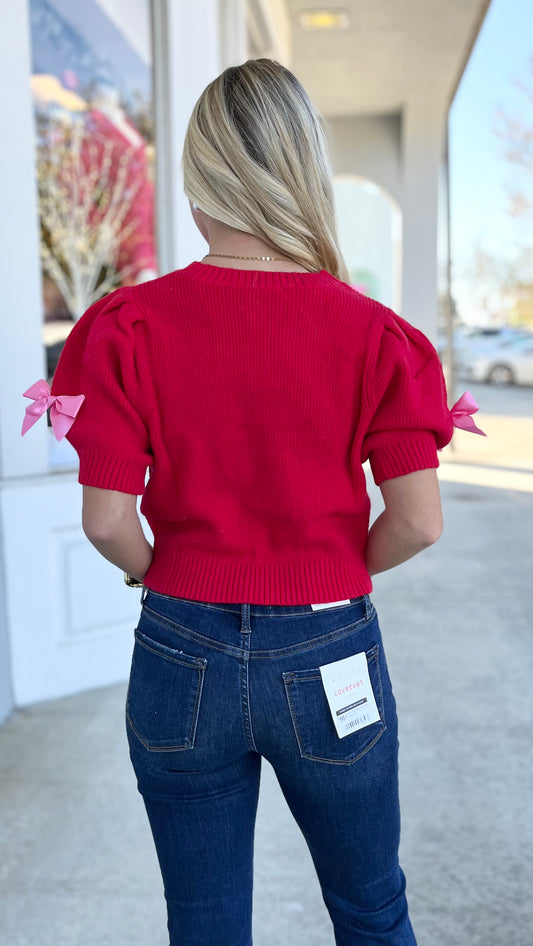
pixel 77 866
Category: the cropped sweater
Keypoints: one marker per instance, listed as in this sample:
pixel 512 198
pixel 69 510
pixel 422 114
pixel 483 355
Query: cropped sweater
pixel 252 399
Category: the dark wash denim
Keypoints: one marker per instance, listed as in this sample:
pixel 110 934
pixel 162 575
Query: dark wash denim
pixel 213 688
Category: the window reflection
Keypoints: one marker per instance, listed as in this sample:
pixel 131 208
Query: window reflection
pixel 92 89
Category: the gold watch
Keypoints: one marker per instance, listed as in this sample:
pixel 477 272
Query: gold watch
pixel 132 582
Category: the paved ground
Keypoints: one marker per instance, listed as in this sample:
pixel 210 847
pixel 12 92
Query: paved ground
pixel 77 866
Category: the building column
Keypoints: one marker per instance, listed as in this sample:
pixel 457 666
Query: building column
pixel 233 33
pixel 21 353
pixel 423 137
pixel 187 39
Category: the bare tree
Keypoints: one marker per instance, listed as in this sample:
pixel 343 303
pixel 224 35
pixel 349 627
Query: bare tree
pixel 515 130
pixel 86 194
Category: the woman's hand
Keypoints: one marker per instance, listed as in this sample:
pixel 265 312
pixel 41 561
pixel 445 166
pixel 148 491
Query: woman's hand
pixel 111 524
pixel 411 521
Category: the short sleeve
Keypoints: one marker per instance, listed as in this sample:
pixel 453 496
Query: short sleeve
pixel 406 415
pixel 103 359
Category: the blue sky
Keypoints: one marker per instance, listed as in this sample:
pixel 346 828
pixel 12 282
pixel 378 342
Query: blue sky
pixel 479 173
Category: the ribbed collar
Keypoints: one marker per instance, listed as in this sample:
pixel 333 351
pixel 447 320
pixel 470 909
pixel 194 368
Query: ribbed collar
pixel 254 278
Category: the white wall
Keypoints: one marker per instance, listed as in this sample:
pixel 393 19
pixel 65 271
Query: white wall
pixel 269 29
pixel 402 154
pixel 423 139
pixel 233 34
pixel 6 691
pixel 21 352
pixel 368 146
pixel 70 615
pixel 196 41
pixel 369 223
pixel 192 48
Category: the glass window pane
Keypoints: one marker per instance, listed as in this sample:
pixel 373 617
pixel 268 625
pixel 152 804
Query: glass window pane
pixel 93 93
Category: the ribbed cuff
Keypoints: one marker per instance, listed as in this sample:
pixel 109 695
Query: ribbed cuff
pixel 397 459
pixel 125 474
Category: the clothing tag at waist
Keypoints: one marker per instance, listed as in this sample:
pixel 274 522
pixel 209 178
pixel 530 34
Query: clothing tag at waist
pixel 350 694
pixel 333 604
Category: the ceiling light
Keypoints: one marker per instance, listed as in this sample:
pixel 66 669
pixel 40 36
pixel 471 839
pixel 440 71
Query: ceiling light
pixel 324 19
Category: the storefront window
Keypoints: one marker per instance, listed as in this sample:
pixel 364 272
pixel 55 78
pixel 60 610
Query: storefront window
pixel 93 93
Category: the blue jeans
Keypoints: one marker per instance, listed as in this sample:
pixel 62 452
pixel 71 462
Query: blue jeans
pixel 213 688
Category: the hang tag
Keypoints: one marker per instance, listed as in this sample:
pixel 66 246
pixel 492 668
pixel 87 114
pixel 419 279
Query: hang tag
pixel 349 694
pixel 333 604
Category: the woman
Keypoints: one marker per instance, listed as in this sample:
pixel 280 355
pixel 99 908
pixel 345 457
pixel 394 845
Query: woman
pixel 253 385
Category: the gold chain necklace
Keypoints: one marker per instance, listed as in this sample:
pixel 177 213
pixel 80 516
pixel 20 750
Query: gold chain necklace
pixel 265 259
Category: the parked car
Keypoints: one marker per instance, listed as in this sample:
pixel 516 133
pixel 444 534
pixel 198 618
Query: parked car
pixel 508 362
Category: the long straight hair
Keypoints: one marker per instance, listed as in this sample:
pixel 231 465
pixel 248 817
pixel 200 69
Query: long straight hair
pixel 255 158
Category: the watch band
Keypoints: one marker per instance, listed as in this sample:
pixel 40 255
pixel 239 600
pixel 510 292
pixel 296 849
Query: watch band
pixel 132 582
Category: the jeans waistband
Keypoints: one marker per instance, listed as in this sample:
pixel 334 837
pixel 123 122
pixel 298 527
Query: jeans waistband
pixel 262 610
pixel 270 631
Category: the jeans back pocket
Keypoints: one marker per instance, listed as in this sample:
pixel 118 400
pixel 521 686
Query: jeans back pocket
pixel 164 694
pixel 311 716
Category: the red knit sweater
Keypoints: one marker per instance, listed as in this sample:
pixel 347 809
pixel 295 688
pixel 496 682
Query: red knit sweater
pixel 253 398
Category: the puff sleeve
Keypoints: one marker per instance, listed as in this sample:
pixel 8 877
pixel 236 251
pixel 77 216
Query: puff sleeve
pixel 104 358
pixel 406 414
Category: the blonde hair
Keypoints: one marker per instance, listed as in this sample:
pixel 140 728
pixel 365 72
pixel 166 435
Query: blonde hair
pixel 255 158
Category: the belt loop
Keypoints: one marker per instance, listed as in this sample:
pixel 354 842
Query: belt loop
pixel 245 619
pixel 144 592
pixel 368 606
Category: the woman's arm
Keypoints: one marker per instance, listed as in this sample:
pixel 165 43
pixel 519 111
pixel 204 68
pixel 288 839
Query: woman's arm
pixel 111 524
pixel 410 522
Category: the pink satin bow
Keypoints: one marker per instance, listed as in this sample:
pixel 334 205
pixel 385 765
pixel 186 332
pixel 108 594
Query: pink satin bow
pixel 461 414
pixel 64 408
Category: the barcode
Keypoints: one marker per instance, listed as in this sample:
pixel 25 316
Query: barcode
pixel 356 722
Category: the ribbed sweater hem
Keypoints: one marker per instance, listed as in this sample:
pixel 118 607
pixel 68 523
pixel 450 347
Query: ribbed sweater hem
pixel 208 578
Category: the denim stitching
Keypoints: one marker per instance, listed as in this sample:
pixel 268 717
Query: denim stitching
pixel 203 604
pixel 380 686
pixel 245 706
pixel 199 661
pixel 192 635
pixel 292 649
pixel 196 710
pixel 287 684
pixel 150 748
pixel 215 606
pixel 201 664
pixel 316 675
pixel 288 651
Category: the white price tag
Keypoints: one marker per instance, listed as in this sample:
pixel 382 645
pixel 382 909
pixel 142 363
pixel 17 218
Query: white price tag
pixel 349 694
pixel 331 604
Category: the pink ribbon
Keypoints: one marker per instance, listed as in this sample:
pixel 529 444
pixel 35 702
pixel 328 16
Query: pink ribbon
pixel 461 414
pixel 64 408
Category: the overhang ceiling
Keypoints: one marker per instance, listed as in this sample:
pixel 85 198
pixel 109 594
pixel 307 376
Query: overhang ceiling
pixel 392 51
